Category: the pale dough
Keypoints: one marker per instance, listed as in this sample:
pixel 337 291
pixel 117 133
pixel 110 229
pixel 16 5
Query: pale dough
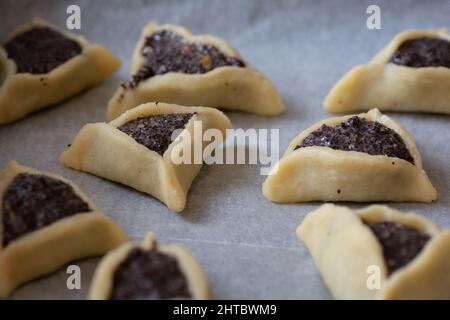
pixel 388 86
pixel 343 248
pixel 324 174
pixel 45 250
pixel 229 87
pixel 102 284
pixel 105 151
pixel 24 93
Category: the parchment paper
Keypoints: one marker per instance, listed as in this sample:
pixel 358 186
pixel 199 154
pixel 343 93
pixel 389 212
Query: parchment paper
pixel 246 244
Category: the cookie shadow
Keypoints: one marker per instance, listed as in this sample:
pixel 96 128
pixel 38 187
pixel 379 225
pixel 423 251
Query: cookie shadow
pixel 220 186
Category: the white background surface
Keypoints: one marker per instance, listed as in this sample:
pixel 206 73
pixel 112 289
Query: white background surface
pixel 246 244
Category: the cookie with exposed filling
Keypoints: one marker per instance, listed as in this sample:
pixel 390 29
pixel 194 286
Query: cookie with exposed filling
pixel 172 65
pixel 151 148
pixel 149 272
pixel 46 222
pixel 362 158
pixel 378 253
pixel 41 65
pixel 411 74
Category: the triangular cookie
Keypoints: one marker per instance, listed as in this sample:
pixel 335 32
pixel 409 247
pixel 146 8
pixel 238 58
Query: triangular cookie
pixel 149 271
pixel 411 74
pixel 41 65
pixel 361 158
pixel 172 65
pixel 136 149
pixel 46 222
pixel 378 253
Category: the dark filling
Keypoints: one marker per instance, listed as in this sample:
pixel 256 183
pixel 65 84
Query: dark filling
pixel 32 202
pixel 166 51
pixel 400 244
pixel 425 52
pixel 149 275
pixel 155 132
pixel 40 50
pixel 358 134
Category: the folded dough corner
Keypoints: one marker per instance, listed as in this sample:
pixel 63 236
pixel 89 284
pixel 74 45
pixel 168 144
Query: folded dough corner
pixel 362 158
pixel 378 253
pixel 41 65
pixel 172 65
pixel 411 74
pixel 137 149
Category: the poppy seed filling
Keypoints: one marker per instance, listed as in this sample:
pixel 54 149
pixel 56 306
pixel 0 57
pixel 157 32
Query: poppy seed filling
pixel 424 52
pixel 33 201
pixel 149 275
pixel 358 134
pixel 166 51
pixel 155 132
pixel 400 244
pixel 40 50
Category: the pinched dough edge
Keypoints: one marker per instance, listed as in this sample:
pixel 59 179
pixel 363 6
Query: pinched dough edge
pixel 388 86
pixel 232 88
pixel 343 248
pixel 45 250
pixel 24 93
pixel 102 150
pixel 324 174
pixel 102 283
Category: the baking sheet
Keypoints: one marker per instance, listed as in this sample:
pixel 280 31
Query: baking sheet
pixel 246 244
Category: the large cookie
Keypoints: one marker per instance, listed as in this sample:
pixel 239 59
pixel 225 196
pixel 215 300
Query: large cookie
pixel 149 271
pixel 41 65
pixel 172 65
pixel 47 222
pixel 363 158
pixel 137 149
pixel 378 253
pixel 411 74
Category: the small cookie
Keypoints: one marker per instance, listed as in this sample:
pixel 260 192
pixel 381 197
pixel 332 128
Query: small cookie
pixel 42 65
pixel 411 74
pixel 137 150
pixel 172 65
pixel 148 271
pixel 47 222
pixel 409 254
pixel 362 158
